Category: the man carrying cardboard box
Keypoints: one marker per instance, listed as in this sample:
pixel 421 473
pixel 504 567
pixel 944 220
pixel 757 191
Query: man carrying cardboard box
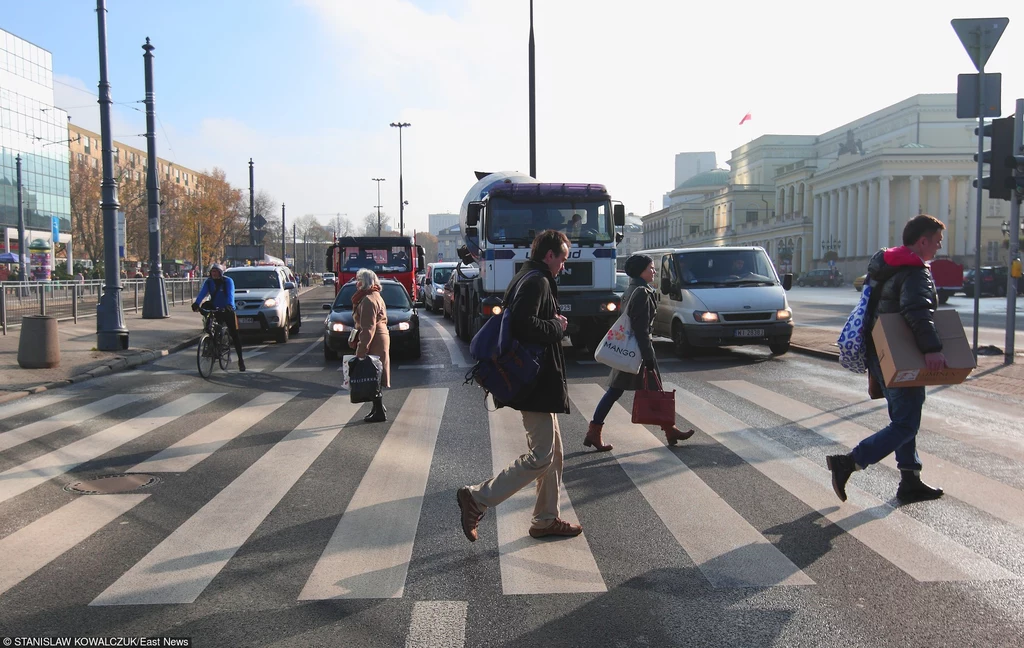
pixel 901 282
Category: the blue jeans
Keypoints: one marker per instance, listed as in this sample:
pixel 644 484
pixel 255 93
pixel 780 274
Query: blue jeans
pixel 900 436
pixel 613 394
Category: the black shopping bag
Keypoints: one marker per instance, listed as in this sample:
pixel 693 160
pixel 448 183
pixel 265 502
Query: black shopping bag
pixel 364 378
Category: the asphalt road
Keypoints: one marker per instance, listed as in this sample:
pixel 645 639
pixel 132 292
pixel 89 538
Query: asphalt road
pixel 829 308
pixel 281 519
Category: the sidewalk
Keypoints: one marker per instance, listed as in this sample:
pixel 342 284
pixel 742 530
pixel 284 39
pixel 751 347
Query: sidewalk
pixel 991 375
pixel 148 339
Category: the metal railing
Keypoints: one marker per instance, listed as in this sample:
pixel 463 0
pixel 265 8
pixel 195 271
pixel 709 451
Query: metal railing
pixel 70 300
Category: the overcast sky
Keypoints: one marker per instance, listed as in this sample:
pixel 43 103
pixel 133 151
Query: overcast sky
pixel 307 88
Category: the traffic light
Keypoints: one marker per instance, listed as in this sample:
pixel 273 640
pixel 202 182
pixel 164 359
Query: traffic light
pixel 1016 165
pixel 1000 182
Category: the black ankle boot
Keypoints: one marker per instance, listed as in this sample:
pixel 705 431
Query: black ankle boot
pixel 912 489
pixel 841 466
pixel 378 414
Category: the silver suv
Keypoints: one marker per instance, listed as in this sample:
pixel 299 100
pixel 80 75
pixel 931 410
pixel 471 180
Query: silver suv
pixel 266 301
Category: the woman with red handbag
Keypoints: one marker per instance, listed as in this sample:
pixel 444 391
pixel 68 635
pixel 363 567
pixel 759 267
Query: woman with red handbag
pixel 642 310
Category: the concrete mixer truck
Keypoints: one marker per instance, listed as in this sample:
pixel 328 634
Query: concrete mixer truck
pixel 501 215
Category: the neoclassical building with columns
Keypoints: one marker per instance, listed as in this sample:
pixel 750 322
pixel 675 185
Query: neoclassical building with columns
pixel 842 195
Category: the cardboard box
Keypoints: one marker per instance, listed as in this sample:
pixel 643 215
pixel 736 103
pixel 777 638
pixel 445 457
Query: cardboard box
pixel 903 364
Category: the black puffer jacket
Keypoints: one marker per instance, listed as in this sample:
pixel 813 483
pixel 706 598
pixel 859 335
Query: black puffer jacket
pixel 641 310
pixel 902 283
pixel 532 314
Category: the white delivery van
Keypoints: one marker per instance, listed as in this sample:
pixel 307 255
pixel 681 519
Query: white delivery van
pixel 721 296
pixel 437 277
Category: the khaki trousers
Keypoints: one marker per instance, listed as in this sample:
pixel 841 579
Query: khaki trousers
pixel 543 463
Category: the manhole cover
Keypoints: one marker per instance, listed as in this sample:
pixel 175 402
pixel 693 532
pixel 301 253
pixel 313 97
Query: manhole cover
pixel 108 484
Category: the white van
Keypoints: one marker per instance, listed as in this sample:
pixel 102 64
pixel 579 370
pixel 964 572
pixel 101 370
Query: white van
pixel 721 296
pixel 437 277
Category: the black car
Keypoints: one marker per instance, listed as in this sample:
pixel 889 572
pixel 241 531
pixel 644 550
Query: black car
pixel 993 281
pixel 821 277
pixel 403 321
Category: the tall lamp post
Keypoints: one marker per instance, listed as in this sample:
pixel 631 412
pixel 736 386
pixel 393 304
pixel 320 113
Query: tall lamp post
pixel 401 196
pixel 378 181
pixel 154 304
pixel 111 331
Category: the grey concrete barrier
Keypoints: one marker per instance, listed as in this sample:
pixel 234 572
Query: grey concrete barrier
pixel 38 346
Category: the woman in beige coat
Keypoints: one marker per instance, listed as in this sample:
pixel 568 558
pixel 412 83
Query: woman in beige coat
pixel 371 319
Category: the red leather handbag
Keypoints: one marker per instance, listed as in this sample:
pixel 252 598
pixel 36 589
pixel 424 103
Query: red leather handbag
pixel 654 406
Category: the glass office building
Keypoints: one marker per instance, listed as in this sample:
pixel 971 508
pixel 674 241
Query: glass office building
pixel 32 127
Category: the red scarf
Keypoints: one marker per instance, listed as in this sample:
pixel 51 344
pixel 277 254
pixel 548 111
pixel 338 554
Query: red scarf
pixel 358 297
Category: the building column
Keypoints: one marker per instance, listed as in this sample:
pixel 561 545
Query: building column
pixel 844 215
pixel 961 216
pixel 815 230
pixel 805 207
pixel 883 211
pixel 732 216
pixel 833 217
pixel 872 240
pixel 943 214
pixel 860 228
pixel 915 196
pixel 972 211
pixel 786 207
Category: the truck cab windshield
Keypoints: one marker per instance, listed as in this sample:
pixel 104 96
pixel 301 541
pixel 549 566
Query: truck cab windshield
pixel 394 259
pixel 729 267
pixel 585 223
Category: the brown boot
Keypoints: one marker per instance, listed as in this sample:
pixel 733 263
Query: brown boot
pixel 673 434
pixel 594 438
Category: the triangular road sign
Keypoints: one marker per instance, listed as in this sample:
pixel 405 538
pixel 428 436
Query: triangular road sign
pixel 979 36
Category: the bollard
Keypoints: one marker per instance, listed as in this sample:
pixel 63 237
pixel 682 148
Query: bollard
pixel 42 300
pixel 38 346
pixel 74 302
pixel 136 296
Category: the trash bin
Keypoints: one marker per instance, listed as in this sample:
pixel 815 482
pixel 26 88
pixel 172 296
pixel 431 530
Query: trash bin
pixel 38 346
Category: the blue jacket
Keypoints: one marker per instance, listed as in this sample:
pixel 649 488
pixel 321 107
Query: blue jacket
pixel 222 296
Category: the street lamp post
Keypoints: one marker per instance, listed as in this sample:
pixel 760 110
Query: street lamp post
pixel 378 181
pixel 154 304
pixel 401 196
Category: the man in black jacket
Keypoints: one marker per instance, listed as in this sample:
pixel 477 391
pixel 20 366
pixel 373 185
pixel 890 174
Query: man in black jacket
pixel 901 282
pixel 535 320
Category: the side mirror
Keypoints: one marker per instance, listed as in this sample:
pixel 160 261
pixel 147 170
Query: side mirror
pixel 327 306
pixel 472 233
pixel 421 257
pixel 289 285
pixel 666 285
pixel 473 212
pixel 618 238
pixel 619 213
pixel 787 281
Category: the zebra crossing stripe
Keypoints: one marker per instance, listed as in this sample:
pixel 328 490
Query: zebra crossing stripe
pixel 31 548
pixel 437 624
pixel 529 566
pixel 454 350
pixel 729 551
pixel 202 443
pixel 201 547
pixel 913 547
pixel 30 403
pixel 287 368
pixel 30 474
pixel 981 492
pixel 368 556
pixel 63 420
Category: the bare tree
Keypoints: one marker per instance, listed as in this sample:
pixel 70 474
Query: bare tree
pixel 371 226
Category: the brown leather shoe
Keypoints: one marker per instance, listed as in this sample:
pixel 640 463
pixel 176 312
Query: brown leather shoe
pixel 594 438
pixel 673 434
pixel 471 513
pixel 558 527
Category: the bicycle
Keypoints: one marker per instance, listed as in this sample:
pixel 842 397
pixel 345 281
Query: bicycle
pixel 213 343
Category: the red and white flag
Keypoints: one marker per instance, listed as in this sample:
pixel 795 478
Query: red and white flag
pixel 745 119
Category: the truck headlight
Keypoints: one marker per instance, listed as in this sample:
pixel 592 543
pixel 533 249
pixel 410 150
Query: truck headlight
pixel 270 302
pixel 610 307
pixel 705 316
pixel 783 315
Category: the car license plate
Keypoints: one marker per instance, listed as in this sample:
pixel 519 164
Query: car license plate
pixel 246 320
pixel 565 308
pixel 749 332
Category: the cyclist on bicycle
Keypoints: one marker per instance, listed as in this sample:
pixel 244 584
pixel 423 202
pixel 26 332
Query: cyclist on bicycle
pixel 221 290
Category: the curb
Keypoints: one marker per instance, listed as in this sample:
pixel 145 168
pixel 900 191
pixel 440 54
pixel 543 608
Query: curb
pixel 114 365
pixel 813 352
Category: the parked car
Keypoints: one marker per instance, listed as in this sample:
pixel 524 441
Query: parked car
pixel 993 281
pixel 821 277
pixel 328 278
pixel 266 302
pixel 858 283
pixel 403 321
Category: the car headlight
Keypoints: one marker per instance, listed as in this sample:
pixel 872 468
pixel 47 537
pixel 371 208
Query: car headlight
pixel 401 326
pixel 270 302
pixel 783 315
pixel 705 316
pixel 338 327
